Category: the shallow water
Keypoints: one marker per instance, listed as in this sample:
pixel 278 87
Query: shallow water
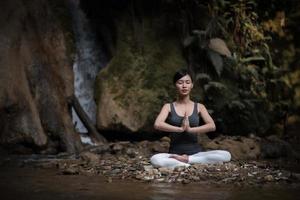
pixel 35 183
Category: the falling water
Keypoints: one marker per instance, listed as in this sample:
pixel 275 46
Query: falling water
pixel 88 61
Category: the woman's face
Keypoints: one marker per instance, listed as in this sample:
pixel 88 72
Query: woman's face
pixel 184 85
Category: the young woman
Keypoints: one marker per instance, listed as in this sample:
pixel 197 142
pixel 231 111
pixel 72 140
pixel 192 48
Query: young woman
pixel 182 119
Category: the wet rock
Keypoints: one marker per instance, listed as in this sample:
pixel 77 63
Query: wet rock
pixel 148 178
pixel 88 170
pixel 152 172
pixel 195 178
pixel 70 171
pixel 90 157
pixel 130 168
pixel 185 181
pixel 115 171
pixel 108 167
pixel 159 180
pixel 160 147
pixel 179 180
pixel 143 144
pixel 274 147
pixel 131 152
pixel 148 168
pixel 50 150
pixel 295 176
pixel 139 176
pixel 165 139
pixel 165 171
pixel 229 179
pixel 117 147
pixel 241 148
pixel 269 178
pixel 100 149
pixel 179 169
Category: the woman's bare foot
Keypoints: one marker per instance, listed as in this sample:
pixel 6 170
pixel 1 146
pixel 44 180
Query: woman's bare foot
pixel 182 158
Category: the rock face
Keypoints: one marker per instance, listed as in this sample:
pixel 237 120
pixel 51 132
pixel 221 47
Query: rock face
pixel 241 148
pixel 138 80
pixel 36 76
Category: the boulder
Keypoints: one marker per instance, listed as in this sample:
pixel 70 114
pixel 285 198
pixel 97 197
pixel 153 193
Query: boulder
pixel 275 147
pixel 137 81
pixel 241 148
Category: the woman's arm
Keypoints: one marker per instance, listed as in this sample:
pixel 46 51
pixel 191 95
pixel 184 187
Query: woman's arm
pixel 209 122
pixel 160 122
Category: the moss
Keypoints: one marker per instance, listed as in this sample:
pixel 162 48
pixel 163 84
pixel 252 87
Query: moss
pixel 140 73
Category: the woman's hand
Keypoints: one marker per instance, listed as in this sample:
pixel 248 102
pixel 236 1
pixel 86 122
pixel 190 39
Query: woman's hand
pixel 185 123
pixel 207 127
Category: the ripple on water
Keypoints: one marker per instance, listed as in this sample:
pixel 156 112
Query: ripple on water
pixel 46 184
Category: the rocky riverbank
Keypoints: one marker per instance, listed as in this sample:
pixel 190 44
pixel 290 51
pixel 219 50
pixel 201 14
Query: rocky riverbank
pixel 130 161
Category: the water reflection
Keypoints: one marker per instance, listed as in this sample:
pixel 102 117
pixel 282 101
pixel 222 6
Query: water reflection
pixel 196 191
pixel 48 184
pixel 187 192
pixel 272 193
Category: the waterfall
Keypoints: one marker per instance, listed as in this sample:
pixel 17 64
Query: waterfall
pixel 88 61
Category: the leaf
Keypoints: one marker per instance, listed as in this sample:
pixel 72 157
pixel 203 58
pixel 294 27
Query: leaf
pixel 215 86
pixel 218 45
pixel 188 41
pixel 251 59
pixel 237 105
pixel 203 78
pixel 251 70
pixel 216 61
pixel 199 32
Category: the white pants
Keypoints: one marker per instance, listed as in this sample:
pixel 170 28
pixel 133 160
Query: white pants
pixel 207 157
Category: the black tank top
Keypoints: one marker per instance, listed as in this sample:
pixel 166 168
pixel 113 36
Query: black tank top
pixel 184 143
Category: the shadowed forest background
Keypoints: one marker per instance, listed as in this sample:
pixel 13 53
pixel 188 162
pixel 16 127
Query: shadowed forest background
pixel 82 81
pixel 244 55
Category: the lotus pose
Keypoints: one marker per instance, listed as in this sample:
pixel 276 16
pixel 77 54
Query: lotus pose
pixel 184 119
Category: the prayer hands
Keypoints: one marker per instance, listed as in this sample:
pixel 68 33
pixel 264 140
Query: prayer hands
pixel 185 123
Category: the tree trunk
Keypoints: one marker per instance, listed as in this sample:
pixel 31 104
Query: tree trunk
pixel 86 120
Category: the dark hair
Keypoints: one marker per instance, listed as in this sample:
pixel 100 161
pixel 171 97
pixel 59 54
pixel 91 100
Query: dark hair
pixel 181 73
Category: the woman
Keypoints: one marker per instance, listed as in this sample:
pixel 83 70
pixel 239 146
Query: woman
pixel 182 119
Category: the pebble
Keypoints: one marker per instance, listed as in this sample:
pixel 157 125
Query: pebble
pixel 127 161
pixel 269 178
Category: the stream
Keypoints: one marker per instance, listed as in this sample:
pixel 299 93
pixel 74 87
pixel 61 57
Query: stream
pixel 25 182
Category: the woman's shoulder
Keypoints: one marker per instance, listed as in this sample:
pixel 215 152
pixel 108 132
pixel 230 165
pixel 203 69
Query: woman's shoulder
pixel 167 106
pixel 200 106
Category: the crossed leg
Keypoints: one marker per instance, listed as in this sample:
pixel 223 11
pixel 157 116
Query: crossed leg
pixel 166 160
pixel 174 160
pixel 210 157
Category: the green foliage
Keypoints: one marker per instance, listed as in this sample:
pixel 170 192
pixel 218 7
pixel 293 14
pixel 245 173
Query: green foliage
pixel 212 49
pixel 216 61
pixel 244 89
